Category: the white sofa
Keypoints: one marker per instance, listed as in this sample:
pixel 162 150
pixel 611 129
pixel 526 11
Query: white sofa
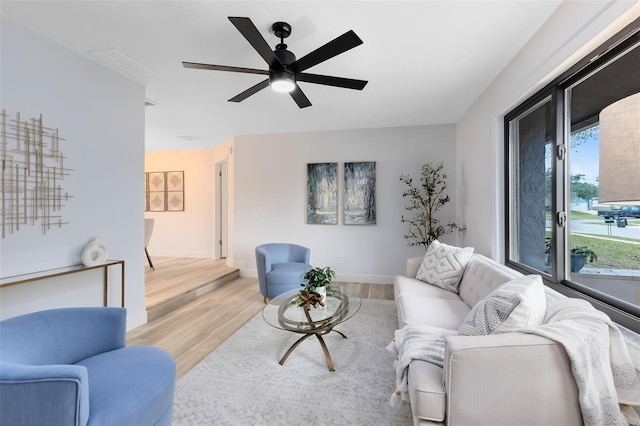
pixel 498 379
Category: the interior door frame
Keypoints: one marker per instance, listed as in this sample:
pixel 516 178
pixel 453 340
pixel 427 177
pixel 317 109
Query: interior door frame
pixel 221 211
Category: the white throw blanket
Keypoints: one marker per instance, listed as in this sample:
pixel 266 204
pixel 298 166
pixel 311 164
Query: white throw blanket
pixel 415 342
pixel 600 363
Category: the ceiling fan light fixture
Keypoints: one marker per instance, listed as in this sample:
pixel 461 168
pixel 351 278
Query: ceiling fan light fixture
pixel 284 69
pixel 282 81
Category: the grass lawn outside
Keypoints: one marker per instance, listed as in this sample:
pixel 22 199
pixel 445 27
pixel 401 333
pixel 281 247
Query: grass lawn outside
pixel 613 252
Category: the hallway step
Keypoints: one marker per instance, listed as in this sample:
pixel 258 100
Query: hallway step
pixel 176 302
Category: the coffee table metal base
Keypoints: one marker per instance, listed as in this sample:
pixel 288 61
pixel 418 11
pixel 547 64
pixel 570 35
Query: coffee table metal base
pixel 319 335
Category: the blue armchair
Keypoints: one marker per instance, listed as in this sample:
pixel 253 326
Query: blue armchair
pixel 280 267
pixel 71 367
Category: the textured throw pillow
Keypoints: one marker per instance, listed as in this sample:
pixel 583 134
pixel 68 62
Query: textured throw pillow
pixel 443 265
pixel 515 305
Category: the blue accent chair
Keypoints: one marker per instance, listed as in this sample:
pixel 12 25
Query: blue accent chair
pixel 280 267
pixel 71 367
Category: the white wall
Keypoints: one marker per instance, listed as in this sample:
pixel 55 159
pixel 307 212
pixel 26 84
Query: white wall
pixel 101 116
pixel 573 30
pixel 270 196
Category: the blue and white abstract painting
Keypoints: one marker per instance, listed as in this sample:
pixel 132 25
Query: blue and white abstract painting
pixel 322 193
pixel 360 193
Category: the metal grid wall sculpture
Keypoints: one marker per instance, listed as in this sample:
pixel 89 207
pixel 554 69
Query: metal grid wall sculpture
pixel 32 174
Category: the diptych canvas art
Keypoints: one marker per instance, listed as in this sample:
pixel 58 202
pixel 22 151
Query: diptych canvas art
pixel 359 193
pixel 322 193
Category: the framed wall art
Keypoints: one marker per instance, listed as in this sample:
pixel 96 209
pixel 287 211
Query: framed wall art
pixel 322 193
pixel 164 191
pixel 175 191
pixel 360 193
pixel 155 191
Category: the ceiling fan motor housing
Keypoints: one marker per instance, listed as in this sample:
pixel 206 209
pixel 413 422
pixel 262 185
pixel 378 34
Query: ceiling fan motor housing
pixel 285 56
pixel 278 76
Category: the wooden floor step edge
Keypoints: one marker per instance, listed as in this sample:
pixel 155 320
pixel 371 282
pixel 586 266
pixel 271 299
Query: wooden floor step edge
pixel 181 300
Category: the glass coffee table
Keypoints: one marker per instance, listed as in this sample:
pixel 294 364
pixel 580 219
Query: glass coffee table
pixel 284 313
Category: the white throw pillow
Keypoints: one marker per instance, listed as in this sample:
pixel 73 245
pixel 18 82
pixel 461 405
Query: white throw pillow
pixel 443 265
pixel 517 304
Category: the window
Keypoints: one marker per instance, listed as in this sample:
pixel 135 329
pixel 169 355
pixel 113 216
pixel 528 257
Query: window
pixel 531 136
pixel 556 225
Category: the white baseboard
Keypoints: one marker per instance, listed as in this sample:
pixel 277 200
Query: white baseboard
pixel 241 265
pixel 365 278
pixel 178 253
pixel 136 319
pixel 251 273
pixel 344 277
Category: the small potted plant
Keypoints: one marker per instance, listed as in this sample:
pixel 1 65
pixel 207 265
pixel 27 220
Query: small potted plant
pixel 547 251
pixel 580 256
pixel 316 282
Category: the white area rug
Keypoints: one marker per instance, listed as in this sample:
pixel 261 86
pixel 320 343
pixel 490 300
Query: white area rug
pixel 241 382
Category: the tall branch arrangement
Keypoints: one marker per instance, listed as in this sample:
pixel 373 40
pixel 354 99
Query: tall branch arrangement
pixel 424 202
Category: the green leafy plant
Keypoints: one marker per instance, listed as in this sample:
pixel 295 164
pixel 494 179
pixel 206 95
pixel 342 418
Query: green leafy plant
pixel 580 250
pixel 547 251
pixel 586 251
pixel 424 202
pixel 318 277
pixel 310 295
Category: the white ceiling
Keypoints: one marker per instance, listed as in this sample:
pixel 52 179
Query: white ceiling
pixel 426 61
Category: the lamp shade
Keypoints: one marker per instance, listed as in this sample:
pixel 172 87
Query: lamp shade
pixel 619 181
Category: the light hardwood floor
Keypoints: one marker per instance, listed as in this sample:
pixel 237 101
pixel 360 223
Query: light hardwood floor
pixel 174 277
pixel 191 332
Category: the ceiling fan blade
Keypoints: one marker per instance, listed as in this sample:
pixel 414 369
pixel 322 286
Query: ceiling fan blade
pixel 300 98
pixel 338 45
pixel 250 91
pixel 223 68
pixel 253 36
pixel 327 80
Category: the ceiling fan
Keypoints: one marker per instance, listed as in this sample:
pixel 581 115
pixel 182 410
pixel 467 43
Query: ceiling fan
pixel 285 71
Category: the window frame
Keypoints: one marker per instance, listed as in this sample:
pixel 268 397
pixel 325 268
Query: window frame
pixel 624 313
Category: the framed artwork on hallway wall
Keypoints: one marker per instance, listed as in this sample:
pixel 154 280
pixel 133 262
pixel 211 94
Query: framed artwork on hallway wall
pixel 175 191
pixel 164 191
pixel 155 191
pixel 359 202
pixel 322 193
